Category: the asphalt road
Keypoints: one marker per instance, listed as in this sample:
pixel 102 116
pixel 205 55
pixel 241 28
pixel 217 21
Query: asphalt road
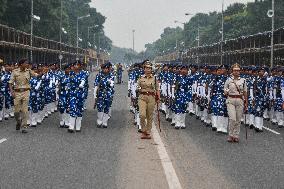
pixel 49 157
pixel 203 158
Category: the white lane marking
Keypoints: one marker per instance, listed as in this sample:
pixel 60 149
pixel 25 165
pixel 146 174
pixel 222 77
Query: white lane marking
pixel 3 140
pixel 169 170
pixel 271 130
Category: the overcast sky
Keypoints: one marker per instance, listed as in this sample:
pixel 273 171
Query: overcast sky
pixel 149 17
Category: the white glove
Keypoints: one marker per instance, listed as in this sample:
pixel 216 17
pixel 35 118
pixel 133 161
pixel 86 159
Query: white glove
pixel 38 85
pixel 50 84
pixel 173 91
pixel 82 84
pixel 43 77
pixel 111 83
pixel 2 78
pixel 274 94
pixel 265 74
pixel 95 92
pixel 270 95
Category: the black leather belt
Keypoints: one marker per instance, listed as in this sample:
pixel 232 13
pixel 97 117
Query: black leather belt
pixel 21 90
pixel 236 96
pixel 148 93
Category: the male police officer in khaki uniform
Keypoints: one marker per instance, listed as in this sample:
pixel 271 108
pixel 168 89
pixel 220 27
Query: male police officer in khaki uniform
pixel 236 90
pixel 20 88
pixel 148 95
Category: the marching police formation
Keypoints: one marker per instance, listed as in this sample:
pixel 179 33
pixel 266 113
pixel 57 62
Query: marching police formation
pixel 32 92
pixel 220 96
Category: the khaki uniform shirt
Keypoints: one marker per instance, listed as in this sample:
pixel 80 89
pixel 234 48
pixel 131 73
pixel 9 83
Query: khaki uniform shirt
pixel 147 84
pixel 21 79
pixel 232 84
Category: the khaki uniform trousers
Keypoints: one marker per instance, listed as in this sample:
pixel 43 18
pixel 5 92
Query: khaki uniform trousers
pixel 235 108
pixel 146 109
pixel 21 102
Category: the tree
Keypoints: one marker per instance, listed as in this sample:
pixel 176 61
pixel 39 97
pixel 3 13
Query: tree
pixel 239 20
pixel 16 13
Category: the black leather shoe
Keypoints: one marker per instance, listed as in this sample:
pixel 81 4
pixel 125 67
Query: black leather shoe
pixel 24 131
pixel 214 129
pixel 104 126
pixel 78 131
pixel 70 131
pixel 251 126
pixel 18 126
pixel 172 124
pixel 221 132
pixel 99 126
pixel 258 130
pixel 33 125
pixel 280 126
pixel 139 130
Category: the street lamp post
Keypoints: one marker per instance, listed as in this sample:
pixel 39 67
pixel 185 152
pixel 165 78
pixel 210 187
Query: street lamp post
pixel 77 38
pixel 60 35
pixel 32 28
pixel 89 27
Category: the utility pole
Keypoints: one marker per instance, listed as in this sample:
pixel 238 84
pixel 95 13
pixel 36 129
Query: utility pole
pixel 32 27
pixel 133 31
pixel 272 33
pixel 77 34
pixel 60 36
pixel 222 40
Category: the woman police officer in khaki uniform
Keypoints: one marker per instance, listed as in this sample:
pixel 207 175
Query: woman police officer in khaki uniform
pixel 148 95
pixel 236 91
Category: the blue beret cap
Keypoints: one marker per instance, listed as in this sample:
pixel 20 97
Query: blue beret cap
pixel 223 66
